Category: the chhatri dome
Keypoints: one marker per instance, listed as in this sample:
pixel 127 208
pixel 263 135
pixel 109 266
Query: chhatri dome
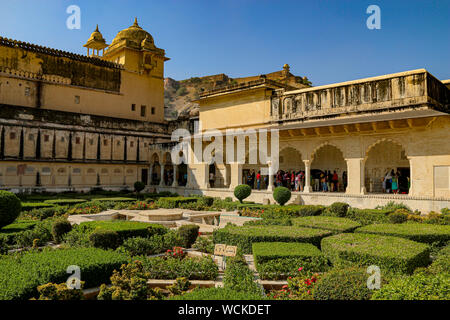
pixel 134 37
pixel 96 42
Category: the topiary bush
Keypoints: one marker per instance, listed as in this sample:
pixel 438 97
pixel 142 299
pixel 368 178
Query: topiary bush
pixel 218 294
pixel 59 228
pixel 282 195
pixel 243 237
pixel 242 192
pixel 337 209
pixel 392 254
pixel 343 284
pixel 399 216
pixel 139 186
pixel 10 207
pixel 104 239
pixel 206 201
pixel 369 216
pixel 420 232
pixel 188 233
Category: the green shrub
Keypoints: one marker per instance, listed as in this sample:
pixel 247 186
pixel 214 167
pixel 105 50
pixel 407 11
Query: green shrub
pixel 442 262
pixel 156 229
pixel 398 216
pixel 389 253
pixel 204 244
pixel 171 268
pixel 79 236
pixel 59 292
pixel 41 232
pixel 104 239
pixel 282 195
pixel 416 287
pixel 244 236
pixel 290 211
pixel 392 206
pixel 65 202
pixel 11 231
pixel 125 229
pixel 206 201
pixel 269 222
pixel 60 228
pixel 334 224
pixel 280 260
pixel 4 247
pixel 413 231
pixel 174 202
pixel 28 206
pixel 188 233
pixel 218 294
pixel 343 284
pixel 10 207
pixel 239 277
pixel 139 246
pixel 139 186
pixel 21 274
pixel 242 192
pixel 338 209
pixel 44 213
pixel 116 199
pixel 369 216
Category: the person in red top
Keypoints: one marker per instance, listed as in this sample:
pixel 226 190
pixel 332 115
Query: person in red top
pixel 335 181
pixel 258 180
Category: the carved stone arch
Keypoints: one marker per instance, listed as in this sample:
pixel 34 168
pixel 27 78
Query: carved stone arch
pixel 381 140
pixel 324 144
pixel 154 158
pixel 167 158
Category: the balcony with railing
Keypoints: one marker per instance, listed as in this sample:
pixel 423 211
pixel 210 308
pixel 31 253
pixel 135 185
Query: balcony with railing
pixel 410 90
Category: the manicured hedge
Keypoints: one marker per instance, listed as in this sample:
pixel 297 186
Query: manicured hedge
pixel 28 206
pixel 290 211
pixel 266 251
pixel 416 287
pixel 117 199
pixel 125 229
pixel 391 254
pixel 65 202
pixel 279 260
pixel 191 268
pixel 12 230
pixel 369 216
pixel 334 224
pixel 244 236
pixel 427 233
pixel 20 275
pixel 174 202
pixel 218 294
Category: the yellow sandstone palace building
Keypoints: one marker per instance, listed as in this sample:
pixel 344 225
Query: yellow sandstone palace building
pixel 73 122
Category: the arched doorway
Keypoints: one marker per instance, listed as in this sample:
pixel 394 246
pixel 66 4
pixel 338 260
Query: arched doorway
pixel 290 161
pixel 155 169
pixel 168 169
pixel 328 160
pixel 386 160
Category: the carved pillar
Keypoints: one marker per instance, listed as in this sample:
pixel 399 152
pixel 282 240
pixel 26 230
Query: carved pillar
pixel 161 182
pixel 236 175
pixel 175 180
pixel 307 188
pixel 355 176
pixel 150 179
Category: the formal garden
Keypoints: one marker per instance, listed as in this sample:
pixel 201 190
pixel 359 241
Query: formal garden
pixel 284 252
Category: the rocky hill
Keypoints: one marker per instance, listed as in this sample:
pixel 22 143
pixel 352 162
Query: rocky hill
pixel 178 95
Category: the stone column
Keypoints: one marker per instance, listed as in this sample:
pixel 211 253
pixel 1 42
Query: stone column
pixel 271 173
pixel 161 183
pixel 150 172
pixel 307 187
pixel 355 176
pixel 175 180
pixel 236 175
pixel 204 175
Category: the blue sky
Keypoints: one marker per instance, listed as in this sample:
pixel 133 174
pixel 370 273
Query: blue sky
pixel 326 40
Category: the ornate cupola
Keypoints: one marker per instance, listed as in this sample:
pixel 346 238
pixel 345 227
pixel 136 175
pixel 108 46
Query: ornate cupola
pixel 97 43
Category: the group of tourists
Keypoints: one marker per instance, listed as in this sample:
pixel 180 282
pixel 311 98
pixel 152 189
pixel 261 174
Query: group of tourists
pixel 395 182
pixel 325 181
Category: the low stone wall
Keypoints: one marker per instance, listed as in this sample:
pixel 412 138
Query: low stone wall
pixel 369 201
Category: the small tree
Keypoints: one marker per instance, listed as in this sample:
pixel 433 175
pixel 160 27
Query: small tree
pixel 139 186
pixel 282 195
pixel 242 192
pixel 10 207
